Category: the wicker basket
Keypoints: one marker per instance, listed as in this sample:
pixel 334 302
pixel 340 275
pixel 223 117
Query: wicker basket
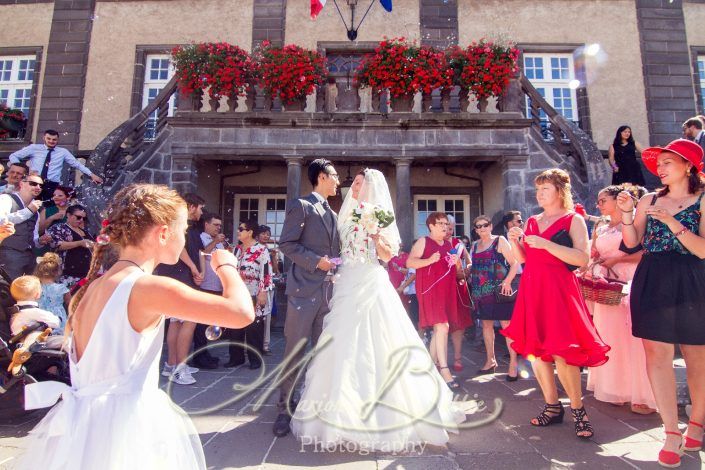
pixel 605 291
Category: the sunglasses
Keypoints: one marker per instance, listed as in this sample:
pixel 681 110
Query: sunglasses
pixel 34 184
pixel 80 217
pixel 479 226
pixel 242 229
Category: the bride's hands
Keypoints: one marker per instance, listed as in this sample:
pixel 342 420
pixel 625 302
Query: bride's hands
pixel 384 249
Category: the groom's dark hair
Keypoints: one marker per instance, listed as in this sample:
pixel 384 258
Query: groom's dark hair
pixel 317 167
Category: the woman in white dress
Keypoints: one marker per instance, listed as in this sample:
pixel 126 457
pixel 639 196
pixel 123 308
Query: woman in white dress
pixel 371 381
pixel 114 416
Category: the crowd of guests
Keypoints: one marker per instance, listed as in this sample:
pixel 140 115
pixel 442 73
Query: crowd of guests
pixel 526 280
pixel 257 266
pixel 529 283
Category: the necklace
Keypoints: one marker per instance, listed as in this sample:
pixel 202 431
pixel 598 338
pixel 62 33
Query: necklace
pixel 131 262
pixel 681 201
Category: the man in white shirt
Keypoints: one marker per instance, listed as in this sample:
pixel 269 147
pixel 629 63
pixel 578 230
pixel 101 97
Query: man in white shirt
pixel 15 174
pixel 21 209
pixel 212 239
pixel 47 160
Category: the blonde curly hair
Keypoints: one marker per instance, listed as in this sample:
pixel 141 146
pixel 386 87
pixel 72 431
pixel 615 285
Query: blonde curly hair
pixel 134 210
pixel 48 266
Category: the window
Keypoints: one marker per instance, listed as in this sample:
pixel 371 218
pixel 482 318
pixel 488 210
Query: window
pixel 16 79
pixel 268 209
pixel 158 72
pixel 553 76
pixel 457 206
pixel 701 75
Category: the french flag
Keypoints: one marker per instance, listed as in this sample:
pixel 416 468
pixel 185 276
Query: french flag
pixel 317 6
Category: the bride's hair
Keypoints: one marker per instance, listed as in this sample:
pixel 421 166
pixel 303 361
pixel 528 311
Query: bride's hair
pixel 134 210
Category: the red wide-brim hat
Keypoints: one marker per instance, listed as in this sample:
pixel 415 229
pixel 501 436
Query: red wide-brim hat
pixel 686 149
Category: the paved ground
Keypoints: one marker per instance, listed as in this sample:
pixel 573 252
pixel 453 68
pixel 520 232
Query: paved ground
pixel 237 436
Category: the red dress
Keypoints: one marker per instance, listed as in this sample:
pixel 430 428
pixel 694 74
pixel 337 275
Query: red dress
pixel 550 316
pixel 464 318
pixel 435 287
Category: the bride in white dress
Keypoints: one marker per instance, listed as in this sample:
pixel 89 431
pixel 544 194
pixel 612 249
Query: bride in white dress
pixel 371 381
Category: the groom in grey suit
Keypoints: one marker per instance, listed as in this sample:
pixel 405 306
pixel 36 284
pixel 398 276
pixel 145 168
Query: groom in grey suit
pixel 309 238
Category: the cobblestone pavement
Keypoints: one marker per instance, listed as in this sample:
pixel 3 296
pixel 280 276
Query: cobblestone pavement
pixel 239 435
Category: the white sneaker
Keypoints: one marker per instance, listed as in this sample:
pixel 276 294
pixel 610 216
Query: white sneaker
pixel 167 370
pixel 182 376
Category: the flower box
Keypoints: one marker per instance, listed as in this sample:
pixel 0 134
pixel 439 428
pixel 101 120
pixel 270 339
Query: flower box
pixel 289 73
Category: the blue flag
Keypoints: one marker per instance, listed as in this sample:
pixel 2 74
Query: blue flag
pixel 386 4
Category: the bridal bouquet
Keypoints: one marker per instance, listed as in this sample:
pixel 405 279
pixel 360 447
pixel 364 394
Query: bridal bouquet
pixel 372 218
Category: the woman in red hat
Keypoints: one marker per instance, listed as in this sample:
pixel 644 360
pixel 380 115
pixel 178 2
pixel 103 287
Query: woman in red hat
pixel 668 291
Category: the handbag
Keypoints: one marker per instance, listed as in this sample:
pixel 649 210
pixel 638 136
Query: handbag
pixel 562 237
pixel 504 299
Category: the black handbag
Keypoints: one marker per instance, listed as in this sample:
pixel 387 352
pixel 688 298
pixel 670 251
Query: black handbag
pixel 504 299
pixel 562 237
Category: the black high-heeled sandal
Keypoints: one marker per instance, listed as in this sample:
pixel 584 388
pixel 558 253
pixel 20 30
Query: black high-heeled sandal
pixel 551 414
pixel 582 424
pixel 452 384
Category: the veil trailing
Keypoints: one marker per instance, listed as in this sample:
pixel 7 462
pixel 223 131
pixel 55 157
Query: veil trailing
pixel 374 190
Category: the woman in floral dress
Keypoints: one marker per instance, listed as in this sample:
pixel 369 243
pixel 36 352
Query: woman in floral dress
pixel 256 270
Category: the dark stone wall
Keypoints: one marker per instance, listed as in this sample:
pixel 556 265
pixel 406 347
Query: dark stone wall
pixel 668 80
pixel 439 22
pixel 66 67
pixel 268 22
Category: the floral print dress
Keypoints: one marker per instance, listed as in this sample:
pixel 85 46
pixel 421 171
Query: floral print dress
pixel 256 270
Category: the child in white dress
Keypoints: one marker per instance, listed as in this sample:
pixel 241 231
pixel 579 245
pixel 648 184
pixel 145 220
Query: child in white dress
pixel 114 416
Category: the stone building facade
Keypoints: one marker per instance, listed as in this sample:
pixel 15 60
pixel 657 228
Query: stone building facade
pixel 597 63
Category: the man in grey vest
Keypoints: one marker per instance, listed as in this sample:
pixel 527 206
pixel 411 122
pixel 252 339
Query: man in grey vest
pixel 309 239
pixel 21 209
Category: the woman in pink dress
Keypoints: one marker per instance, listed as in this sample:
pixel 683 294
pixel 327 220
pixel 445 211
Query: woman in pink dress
pixel 435 288
pixel 623 378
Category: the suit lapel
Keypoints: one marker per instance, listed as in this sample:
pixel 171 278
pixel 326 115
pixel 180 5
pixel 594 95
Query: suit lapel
pixel 322 212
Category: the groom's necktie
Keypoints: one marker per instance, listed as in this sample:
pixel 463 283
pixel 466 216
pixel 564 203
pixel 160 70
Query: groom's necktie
pixel 329 212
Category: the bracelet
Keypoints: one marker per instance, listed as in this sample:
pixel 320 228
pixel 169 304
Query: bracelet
pixel 225 264
pixel 682 231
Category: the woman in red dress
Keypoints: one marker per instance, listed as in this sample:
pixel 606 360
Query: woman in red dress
pixel 463 319
pixel 550 322
pixel 435 288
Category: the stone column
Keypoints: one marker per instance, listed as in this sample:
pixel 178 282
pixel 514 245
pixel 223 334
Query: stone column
pixel 404 207
pixel 514 168
pixel 184 174
pixel 293 177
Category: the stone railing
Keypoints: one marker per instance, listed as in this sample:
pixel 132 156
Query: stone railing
pixel 560 134
pixel 125 149
pixel 128 142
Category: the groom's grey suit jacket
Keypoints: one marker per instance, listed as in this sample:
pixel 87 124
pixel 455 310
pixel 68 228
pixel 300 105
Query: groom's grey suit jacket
pixel 306 236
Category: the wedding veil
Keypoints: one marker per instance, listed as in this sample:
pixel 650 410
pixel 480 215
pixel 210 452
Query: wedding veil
pixel 374 190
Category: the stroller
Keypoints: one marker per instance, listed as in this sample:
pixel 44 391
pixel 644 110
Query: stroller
pixel 20 365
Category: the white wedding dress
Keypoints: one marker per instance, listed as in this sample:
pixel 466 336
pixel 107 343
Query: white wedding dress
pixel 371 382
pixel 115 416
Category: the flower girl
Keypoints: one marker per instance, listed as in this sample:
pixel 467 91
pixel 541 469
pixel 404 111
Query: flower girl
pixel 114 416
